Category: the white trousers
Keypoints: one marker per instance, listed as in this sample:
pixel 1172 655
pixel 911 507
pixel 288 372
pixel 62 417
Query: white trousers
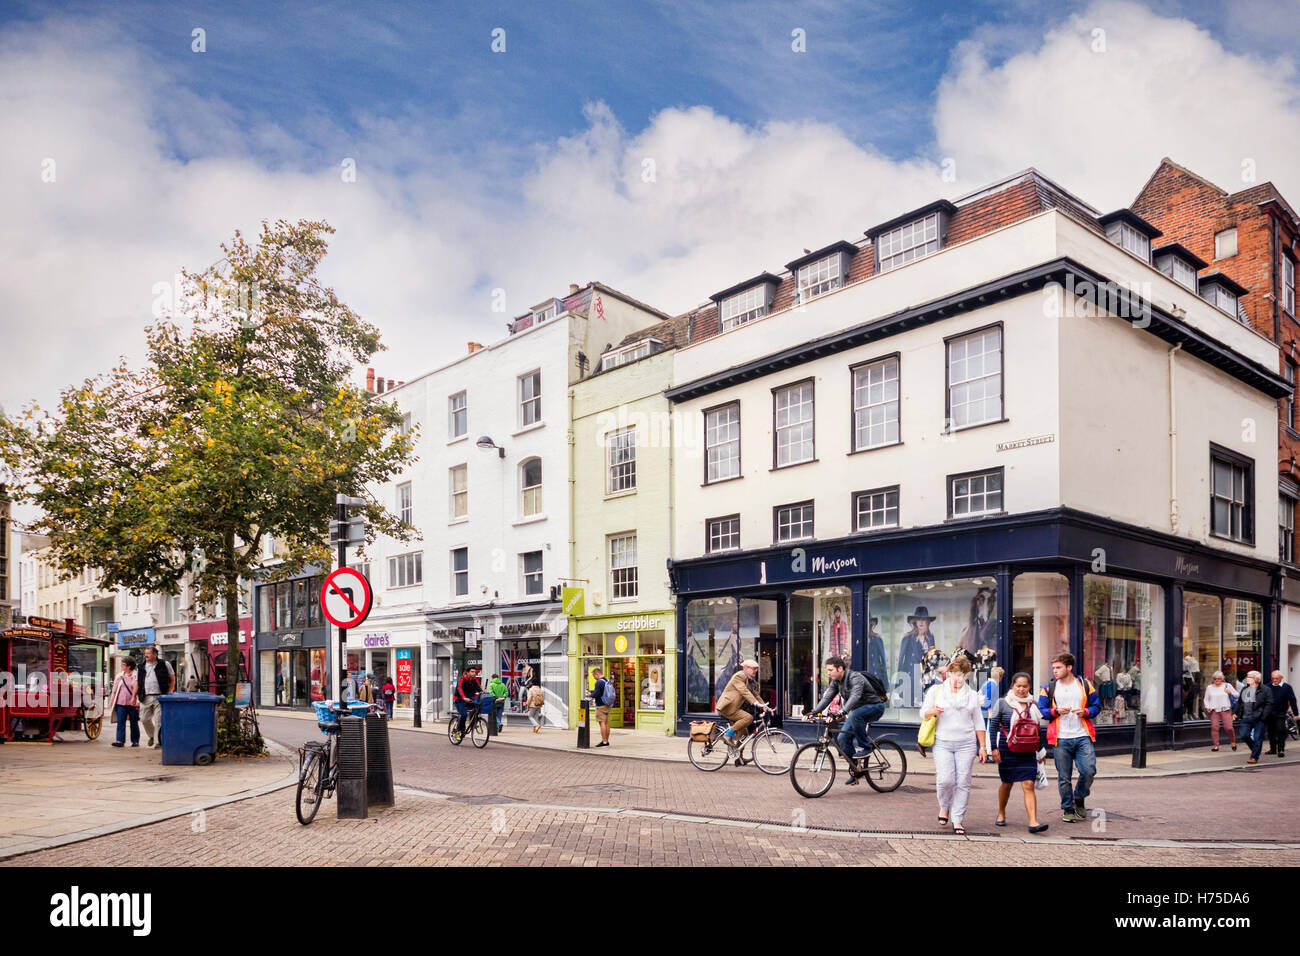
pixel 953 763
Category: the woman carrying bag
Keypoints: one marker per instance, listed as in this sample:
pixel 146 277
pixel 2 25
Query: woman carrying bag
pixel 1014 736
pixel 958 740
pixel 126 704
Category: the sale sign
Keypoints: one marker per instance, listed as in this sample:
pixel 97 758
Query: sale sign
pixel 403 672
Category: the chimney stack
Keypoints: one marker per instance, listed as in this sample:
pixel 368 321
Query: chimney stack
pixel 379 390
pixel 573 288
pixel 474 347
pixel 370 380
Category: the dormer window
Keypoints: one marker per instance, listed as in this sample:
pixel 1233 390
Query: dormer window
pixel 1130 232
pixel 1179 263
pixel 628 353
pixel 913 236
pixel 543 312
pixel 745 302
pixel 821 271
pixel 1218 290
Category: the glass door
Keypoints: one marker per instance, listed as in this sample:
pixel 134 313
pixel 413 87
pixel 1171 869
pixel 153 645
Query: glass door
pixel 622 671
pixel 282 677
pixel 301 679
pixel 804 690
pixel 769 670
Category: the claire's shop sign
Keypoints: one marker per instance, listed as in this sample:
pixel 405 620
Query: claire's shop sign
pixel 215 633
pixel 375 640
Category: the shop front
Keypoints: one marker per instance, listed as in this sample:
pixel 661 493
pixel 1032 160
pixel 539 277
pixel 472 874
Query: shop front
pixel 394 652
pixel 172 642
pixel 1147 616
pixel 209 657
pixel 291 644
pixel 634 653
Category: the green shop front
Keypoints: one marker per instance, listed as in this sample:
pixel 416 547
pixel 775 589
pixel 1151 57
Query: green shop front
pixel 636 652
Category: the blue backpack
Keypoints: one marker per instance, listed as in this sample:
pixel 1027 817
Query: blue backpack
pixel 608 695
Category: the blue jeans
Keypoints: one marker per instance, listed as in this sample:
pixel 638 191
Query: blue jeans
pixel 1253 731
pixel 855 728
pixel 125 713
pixel 388 709
pixel 462 710
pixel 1069 753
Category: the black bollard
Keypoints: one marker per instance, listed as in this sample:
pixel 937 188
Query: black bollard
pixel 415 702
pixel 351 785
pixel 584 724
pixel 379 762
pixel 1140 741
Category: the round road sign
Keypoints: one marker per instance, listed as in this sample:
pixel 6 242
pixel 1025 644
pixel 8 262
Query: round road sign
pixel 345 597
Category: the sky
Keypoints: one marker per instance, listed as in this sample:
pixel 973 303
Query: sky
pixel 666 149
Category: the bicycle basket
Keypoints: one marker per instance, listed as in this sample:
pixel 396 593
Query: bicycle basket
pixel 701 730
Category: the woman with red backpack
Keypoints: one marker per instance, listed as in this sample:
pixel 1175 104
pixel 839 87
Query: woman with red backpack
pixel 1015 737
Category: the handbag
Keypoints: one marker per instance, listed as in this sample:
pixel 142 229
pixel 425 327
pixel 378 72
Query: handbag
pixel 926 735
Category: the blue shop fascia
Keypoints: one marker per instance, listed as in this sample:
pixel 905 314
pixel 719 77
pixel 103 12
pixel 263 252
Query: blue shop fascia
pixel 1149 617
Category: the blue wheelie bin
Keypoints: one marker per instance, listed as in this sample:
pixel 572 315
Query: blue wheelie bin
pixel 189 728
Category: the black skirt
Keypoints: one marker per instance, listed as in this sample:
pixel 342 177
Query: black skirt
pixel 1016 768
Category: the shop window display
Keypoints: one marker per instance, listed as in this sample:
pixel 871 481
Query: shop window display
pixel 1218 635
pixel 1040 624
pixel 820 627
pixel 720 633
pixel 923 626
pixel 1123 651
pixel 650 670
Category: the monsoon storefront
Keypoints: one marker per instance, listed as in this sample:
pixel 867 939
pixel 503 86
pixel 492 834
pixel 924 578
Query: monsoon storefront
pixel 635 652
pixel 1148 626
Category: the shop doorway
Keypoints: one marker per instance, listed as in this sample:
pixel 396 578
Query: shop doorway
pixel 622 671
pixel 1022 645
pixel 769 671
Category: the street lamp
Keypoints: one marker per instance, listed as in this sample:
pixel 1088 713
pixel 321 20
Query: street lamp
pixel 486 443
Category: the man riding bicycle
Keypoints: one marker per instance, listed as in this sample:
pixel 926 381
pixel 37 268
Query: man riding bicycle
pixel 466 696
pixel 860 704
pixel 731 704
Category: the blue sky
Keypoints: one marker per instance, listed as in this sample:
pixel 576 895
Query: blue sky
pixel 525 171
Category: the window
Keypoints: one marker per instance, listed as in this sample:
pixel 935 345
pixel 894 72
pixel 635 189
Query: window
pixel 622 567
pixel 1288 284
pixel 1217 295
pixel 1225 243
pixel 1288 403
pixel 620 460
pixel 630 353
pixel 744 307
pixel 406 570
pixel 723 534
pixel 1286 528
pixel 875 404
pixel 531 567
pixel 460 572
pixel 820 277
pixel 404 502
pixel 792 522
pixel 722 443
pixel 405 427
pixel 979 493
pixel 1123 647
pixel 793 424
pixel 1232 489
pixel 1135 242
pixel 720 634
pixel 530 398
pixel 542 314
pixel 531 486
pixel 875 509
pixel 458 414
pixel 1179 270
pixel 911 241
pixel 975 378
pixel 458 482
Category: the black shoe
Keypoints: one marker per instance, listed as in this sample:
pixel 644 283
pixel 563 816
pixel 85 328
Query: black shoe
pixel 117 743
pixel 603 743
pixel 1038 829
pixel 135 745
pixel 1270 753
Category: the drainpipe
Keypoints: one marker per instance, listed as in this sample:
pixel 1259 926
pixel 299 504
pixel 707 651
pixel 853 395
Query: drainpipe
pixel 1173 445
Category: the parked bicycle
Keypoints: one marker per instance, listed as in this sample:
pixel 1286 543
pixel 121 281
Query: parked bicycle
pixel 770 749
pixel 812 771
pixel 475 725
pixel 318 763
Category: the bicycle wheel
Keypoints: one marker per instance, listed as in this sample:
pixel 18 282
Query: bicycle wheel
pixel 812 771
pixel 886 766
pixel 311 787
pixel 772 751
pixel 479 733
pixel 710 756
pixel 452 735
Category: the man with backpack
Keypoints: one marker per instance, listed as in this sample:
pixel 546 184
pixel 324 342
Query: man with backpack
pixel 1070 704
pixel 862 700
pixel 605 695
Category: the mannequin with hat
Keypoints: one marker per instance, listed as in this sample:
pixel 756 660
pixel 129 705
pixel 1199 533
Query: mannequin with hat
pixel 916 643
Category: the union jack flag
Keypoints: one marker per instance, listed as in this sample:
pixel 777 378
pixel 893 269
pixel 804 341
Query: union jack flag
pixel 511 671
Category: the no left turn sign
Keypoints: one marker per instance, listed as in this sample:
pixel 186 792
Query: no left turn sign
pixel 345 597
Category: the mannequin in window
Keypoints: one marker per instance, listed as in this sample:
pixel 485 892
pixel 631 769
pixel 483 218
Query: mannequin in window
pixel 916 643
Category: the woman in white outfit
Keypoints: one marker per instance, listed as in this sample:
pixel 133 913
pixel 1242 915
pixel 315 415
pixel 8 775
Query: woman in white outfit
pixel 958 739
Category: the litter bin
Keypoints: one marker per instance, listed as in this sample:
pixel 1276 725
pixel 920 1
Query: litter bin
pixel 358 708
pixel 189 728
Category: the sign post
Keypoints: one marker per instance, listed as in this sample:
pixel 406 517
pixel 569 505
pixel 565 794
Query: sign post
pixel 344 532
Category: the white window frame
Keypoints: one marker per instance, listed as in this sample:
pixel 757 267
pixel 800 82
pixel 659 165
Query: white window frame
pixel 794 424
pixel 537 575
pixel 1134 241
pixel 961 382
pixel 1221 298
pixel 453 493
pixel 530 496
pixel 462 573
pixel 713 470
pixel 880 503
pixel 544 313
pixel 909 242
pixel 715 536
pixel 627 354
pixel 530 404
pixel 783 523
pixel 406 570
pixel 623 585
pixel 1223 240
pixel 736 310
pixel 1286 528
pixel 405 502
pixel 1288 285
pixel 873 408
pixel 983 493
pixel 818 278
pixel 453 411
pixel 620 460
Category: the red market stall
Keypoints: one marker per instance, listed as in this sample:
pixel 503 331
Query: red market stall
pixel 54 680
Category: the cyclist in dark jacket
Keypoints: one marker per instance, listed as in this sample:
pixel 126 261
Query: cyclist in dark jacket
pixel 466 696
pixel 858 701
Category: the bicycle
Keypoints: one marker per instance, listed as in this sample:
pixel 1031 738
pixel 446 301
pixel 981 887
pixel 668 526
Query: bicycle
pixel 770 749
pixel 475 724
pixel 318 766
pixel 812 770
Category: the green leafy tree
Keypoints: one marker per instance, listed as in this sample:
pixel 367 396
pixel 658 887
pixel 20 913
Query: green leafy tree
pixel 241 425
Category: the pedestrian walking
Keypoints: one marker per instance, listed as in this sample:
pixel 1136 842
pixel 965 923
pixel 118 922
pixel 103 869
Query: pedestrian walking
pixel 1071 704
pixel 367 690
pixel 1014 740
pixel 499 691
pixel 990 691
pixel 156 678
pixel 534 702
pixel 1252 710
pixel 1219 699
pixel 958 740
pixel 1283 704
pixel 601 692
pixel 348 689
pixel 125 704
pixel 389 694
